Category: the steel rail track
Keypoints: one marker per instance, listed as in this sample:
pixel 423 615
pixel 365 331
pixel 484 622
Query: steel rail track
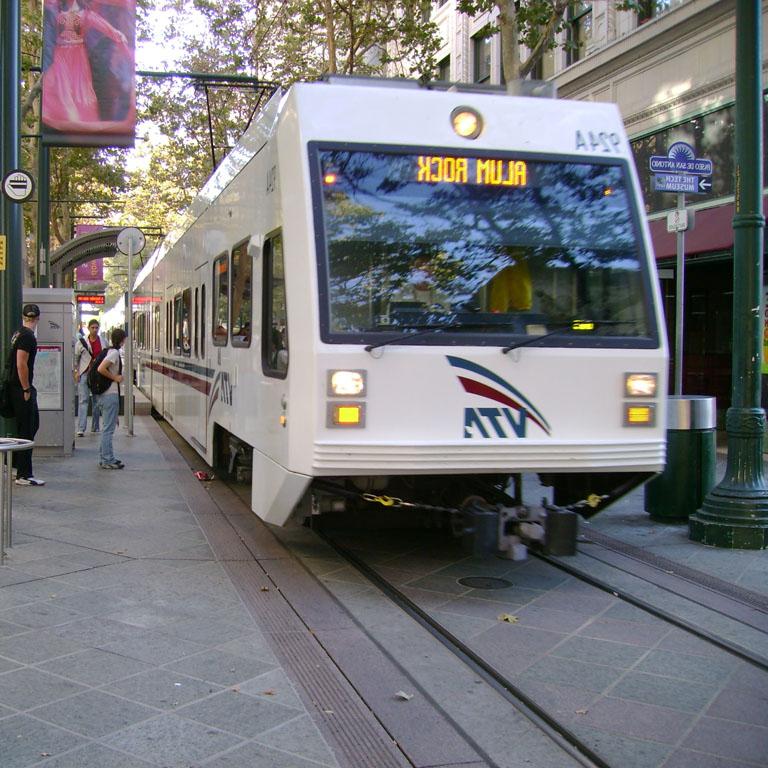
pixel 746 597
pixel 737 650
pixel 559 733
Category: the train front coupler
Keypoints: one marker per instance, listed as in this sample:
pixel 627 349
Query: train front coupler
pixel 492 529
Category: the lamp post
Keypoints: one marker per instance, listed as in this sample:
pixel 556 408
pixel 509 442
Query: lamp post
pixel 10 213
pixel 735 512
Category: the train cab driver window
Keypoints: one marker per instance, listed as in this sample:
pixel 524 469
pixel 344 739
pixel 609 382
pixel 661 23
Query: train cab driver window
pixel 275 338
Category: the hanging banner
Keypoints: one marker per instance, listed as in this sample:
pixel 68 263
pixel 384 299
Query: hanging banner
pixel 89 62
pixel 90 272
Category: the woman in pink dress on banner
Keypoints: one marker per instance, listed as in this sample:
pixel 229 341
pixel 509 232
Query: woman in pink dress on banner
pixel 76 33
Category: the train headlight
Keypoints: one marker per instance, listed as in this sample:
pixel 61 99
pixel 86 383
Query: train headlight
pixel 640 384
pixel 639 415
pixel 347 384
pixel 466 122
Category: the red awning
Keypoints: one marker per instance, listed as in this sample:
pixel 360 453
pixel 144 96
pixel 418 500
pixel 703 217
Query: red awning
pixel 713 231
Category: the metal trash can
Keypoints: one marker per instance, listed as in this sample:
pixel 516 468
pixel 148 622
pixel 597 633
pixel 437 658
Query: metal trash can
pixel 691 453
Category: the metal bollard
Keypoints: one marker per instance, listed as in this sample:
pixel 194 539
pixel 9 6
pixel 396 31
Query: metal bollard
pixel 7 446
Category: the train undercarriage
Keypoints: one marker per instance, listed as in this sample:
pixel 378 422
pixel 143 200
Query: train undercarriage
pixel 487 511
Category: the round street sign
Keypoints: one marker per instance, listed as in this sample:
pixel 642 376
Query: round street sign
pixel 130 239
pixel 18 186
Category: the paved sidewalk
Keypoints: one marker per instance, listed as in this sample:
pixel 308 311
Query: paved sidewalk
pixel 123 643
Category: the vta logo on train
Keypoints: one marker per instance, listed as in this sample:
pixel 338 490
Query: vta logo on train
pixel 221 390
pixel 509 421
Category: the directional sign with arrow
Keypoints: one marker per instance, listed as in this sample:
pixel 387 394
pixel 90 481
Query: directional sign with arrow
pixel 18 186
pixel 681 171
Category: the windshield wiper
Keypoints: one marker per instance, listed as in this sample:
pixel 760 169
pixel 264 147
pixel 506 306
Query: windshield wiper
pixel 422 329
pixel 577 326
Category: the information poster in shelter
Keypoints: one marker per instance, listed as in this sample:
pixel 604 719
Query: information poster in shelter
pixel 89 63
pixel 49 377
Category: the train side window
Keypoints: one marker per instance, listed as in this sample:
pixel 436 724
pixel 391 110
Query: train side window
pixel 242 268
pixel 220 299
pixel 177 324
pixel 186 319
pixel 202 321
pixel 156 326
pixel 168 326
pixel 196 316
pixel 274 345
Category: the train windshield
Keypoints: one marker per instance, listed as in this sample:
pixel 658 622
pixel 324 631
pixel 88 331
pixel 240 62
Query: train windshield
pixel 480 249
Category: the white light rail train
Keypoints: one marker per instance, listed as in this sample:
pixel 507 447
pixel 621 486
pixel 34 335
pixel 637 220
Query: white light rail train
pixel 396 292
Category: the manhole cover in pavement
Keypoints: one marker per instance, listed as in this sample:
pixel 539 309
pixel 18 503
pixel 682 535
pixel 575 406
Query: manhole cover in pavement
pixel 484 582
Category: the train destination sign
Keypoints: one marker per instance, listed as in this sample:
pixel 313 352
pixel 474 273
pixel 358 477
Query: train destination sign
pixel 490 172
pixel 89 298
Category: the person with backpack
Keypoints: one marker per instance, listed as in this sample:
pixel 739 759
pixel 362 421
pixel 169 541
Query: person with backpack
pixel 104 379
pixel 87 349
pixel 23 394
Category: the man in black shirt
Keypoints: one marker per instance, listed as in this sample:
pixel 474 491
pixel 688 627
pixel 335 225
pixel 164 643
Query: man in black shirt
pixel 23 394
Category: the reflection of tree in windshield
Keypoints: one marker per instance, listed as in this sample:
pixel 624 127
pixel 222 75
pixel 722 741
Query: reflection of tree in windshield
pixel 560 247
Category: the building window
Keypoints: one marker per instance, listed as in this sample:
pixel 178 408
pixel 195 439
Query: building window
pixel 220 299
pixel 444 69
pixel 544 68
pixel 481 51
pixel 241 295
pixel 274 352
pixel 579 34
pixel 650 9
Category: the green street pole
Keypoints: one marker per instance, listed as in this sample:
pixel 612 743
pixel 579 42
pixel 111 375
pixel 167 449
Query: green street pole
pixel 10 150
pixel 735 513
pixel 43 216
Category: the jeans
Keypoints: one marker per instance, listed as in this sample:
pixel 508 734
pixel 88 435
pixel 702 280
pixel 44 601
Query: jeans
pixel 110 405
pixel 83 395
pixel 27 424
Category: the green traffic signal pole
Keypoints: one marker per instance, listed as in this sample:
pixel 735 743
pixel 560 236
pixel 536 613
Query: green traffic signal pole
pixel 10 213
pixel 735 513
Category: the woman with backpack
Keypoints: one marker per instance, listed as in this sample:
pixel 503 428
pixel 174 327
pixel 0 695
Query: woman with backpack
pixel 87 349
pixel 110 367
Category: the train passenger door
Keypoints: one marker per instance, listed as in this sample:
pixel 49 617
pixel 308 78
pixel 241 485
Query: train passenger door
pixel 201 350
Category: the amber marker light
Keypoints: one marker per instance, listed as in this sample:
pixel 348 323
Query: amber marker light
pixel 640 384
pixel 330 178
pixel 347 415
pixel 639 415
pixel 466 122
